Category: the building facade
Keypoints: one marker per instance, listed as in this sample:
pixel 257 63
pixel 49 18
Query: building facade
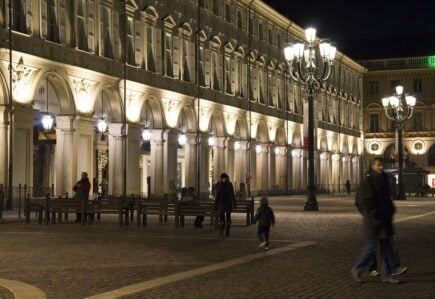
pixel 211 71
pixel 417 75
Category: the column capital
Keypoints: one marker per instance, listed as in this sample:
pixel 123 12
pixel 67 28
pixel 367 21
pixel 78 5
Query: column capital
pixel 66 122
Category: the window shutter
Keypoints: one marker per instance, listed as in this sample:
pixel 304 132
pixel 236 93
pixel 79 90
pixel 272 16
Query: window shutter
pixel 176 56
pixel 44 21
pixel 220 70
pixel 192 59
pixel 29 18
pixel 116 43
pixel 91 25
pixel 207 67
pixel 254 80
pixel 233 75
pixel 158 49
pixel 6 14
pixel 62 21
pixel 244 80
pixel 138 43
pixel 274 91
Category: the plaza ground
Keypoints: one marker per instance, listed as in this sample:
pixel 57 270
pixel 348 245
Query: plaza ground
pixel 310 257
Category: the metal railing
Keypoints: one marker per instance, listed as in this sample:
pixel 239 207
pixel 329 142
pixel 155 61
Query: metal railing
pixel 399 63
pixel 12 207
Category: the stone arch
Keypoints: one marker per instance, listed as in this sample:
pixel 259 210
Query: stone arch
pixel 111 101
pixel 217 124
pixel 297 137
pixel 280 136
pixel 62 88
pixel 262 132
pixel 187 119
pixel 390 153
pixel 152 112
pixel 241 130
pixel 374 106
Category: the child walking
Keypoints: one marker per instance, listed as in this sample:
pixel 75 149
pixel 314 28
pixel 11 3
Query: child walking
pixel 265 218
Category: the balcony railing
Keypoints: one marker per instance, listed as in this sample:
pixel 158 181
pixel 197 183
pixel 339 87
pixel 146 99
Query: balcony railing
pixel 399 63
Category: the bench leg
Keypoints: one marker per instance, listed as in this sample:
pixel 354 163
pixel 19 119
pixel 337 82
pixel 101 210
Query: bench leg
pixel 182 221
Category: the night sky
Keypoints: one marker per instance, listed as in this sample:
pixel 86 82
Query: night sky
pixel 368 29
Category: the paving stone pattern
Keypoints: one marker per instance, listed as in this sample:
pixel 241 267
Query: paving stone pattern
pixel 71 261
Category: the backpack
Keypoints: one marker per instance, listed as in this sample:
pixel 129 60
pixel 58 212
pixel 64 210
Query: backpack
pixel 358 201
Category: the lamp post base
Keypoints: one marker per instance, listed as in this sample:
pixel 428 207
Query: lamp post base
pixel 401 195
pixel 311 204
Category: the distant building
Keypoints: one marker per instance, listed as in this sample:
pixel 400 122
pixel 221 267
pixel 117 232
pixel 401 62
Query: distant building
pixel 417 75
pixel 202 69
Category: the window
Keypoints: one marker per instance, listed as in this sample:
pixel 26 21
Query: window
pixel 185 49
pixel 228 88
pixel 260 31
pixel 168 55
pixel 374 122
pixel 278 41
pixel 417 85
pixel 19 15
pixel 130 42
pixel 216 7
pixel 394 83
pixel 431 156
pixel 214 67
pixel 418 146
pixel 151 66
pixel 251 26
pixel 53 28
pixel 201 67
pixel 417 121
pixel 270 37
pixel 106 48
pixel 239 20
pixel 82 42
pixel 227 12
pixel 374 147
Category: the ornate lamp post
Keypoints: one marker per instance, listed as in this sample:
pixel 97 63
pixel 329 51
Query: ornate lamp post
pixel 306 67
pixel 399 108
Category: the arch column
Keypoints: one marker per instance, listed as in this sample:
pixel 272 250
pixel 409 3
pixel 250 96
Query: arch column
pixel 297 156
pixel 271 173
pixel 262 169
pixel 356 170
pixel 204 148
pixel 230 162
pixel 191 160
pixel 4 141
pixel 219 150
pixel 23 146
pixel 85 147
pixel 116 159
pixel 252 168
pixel 133 157
pixel 324 170
pixel 65 155
pixel 336 169
pixel 170 158
pixel 285 169
pixel 241 165
pixel 157 163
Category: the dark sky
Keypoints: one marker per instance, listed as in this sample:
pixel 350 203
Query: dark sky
pixel 365 29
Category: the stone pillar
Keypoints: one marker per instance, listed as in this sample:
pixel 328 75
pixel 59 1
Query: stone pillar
pixel 297 156
pixel 116 158
pixel 85 148
pixel 157 163
pixel 336 165
pixel 170 147
pixel 230 162
pixel 262 168
pixel 4 149
pixel 271 168
pixel 133 156
pixel 241 165
pixel 286 183
pixel 191 160
pixel 252 169
pixel 324 170
pixel 219 158
pixel 23 146
pixel 204 148
pixel 65 155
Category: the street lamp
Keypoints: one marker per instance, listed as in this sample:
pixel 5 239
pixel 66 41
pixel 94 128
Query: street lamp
pixel 399 108
pixel 304 65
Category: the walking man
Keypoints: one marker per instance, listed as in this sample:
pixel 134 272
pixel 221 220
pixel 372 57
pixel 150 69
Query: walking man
pixel 376 206
pixel 225 201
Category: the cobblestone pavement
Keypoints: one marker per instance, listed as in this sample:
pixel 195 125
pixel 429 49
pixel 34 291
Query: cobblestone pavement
pixel 71 261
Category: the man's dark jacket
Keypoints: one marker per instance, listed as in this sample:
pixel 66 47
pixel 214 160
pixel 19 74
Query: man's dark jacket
pixel 376 205
pixel 225 197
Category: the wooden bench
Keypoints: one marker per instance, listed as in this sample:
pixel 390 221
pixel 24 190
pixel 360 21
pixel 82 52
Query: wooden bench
pixel 111 206
pixel 161 208
pixel 244 206
pixel 197 208
pixel 34 204
pixel 60 206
